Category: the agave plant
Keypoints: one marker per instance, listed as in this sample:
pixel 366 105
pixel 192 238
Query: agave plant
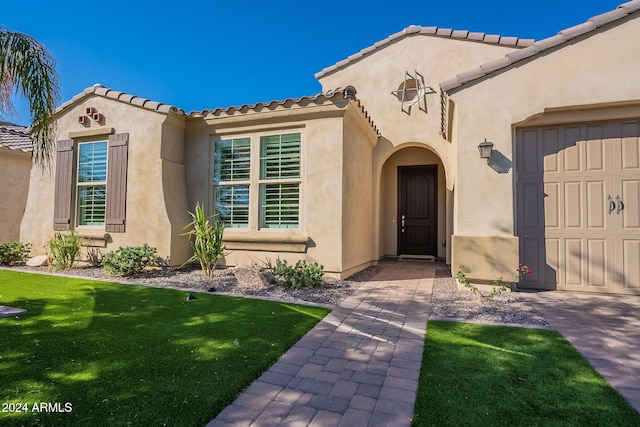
pixel 206 240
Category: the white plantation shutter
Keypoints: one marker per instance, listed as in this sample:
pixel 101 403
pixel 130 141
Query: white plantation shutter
pixel 231 175
pixel 232 160
pixel 280 161
pixel 280 156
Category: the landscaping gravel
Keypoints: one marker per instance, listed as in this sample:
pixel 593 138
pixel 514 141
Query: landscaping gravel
pixel 448 302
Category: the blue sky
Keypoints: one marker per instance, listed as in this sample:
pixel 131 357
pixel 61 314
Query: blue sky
pixel 209 54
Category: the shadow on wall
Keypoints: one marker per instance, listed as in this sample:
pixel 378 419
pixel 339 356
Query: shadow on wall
pixel 499 162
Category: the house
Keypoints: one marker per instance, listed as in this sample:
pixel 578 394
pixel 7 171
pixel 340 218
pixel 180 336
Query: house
pixel 384 162
pixel 15 169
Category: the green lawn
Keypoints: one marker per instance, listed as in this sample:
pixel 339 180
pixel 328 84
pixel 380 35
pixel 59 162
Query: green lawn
pixel 495 375
pixel 132 355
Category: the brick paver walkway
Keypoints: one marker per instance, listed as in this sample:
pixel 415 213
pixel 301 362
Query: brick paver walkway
pixel 605 329
pixel 358 367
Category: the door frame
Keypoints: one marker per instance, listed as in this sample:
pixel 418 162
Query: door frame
pixel 432 170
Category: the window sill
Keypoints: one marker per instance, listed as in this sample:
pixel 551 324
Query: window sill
pixel 270 242
pixel 93 239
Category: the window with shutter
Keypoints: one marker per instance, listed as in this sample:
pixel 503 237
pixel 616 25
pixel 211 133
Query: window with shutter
pixel 91 183
pixel 277 180
pixel 99 190
pixel 231 178
pixel 280 181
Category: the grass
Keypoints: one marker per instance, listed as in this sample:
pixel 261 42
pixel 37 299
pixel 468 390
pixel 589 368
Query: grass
pixel 495 375
pixel 134 355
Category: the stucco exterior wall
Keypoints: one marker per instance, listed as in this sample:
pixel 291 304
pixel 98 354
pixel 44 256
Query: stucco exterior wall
pixel 358 244
pixel 375 76
pixel 594 70
pixel 147 218
pixel 174 185
pixel 333 135
pixel 15 169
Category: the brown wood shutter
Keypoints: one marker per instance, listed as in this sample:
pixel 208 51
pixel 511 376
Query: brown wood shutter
pixel 63 185
pixel 117 183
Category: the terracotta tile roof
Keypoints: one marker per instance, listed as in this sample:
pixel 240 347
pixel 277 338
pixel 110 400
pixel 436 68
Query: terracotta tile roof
pixel 538 47
pixel 429 31
pixel 98 89
pixel 348 92
pixel 15 137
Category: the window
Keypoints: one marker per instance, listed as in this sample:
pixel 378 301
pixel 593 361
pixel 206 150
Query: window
pixel 231 173
pixel 97 196
pixel 280 181
pixel 92 183
pixel 276 181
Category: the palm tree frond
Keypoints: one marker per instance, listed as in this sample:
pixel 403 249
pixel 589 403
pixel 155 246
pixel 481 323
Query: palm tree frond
pixel 26 67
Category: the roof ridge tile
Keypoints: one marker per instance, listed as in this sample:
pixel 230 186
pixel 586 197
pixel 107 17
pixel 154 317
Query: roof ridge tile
pixel 347 92
pixel 536 48
pixel 630 6
pixel 100 90
pixel 414 30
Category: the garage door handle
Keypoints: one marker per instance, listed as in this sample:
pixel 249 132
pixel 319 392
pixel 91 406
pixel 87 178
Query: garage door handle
pixel 620 205
pixel 612 205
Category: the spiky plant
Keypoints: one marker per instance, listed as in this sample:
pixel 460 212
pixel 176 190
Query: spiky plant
pixel 206 240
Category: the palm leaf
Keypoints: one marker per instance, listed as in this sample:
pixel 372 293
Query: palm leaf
pixel 27 68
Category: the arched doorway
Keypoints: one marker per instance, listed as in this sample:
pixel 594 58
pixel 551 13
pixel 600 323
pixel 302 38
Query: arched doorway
pixel 413 204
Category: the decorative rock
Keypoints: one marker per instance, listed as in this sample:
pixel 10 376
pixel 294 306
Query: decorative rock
pixel 38 261
pixel 249 277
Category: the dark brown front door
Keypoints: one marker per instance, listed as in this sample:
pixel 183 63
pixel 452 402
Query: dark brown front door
pixel 417 222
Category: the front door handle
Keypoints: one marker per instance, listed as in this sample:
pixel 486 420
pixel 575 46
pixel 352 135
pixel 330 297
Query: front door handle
pixel 620 205
pixel 612 205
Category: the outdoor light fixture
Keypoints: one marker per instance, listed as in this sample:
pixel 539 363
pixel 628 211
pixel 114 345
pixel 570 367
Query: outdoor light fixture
pixel 485 149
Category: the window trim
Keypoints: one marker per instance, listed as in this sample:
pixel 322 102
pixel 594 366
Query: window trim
pixel 255 182
pixel 78 185
pixel 232 183
pixel 65 182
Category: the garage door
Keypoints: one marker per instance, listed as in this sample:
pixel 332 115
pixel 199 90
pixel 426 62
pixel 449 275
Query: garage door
pixel 578 206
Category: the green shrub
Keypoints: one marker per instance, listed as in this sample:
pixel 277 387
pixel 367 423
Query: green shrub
pixel 129 260
pixel 499 285
pixel 14 252
pixel 64 249
pixel 462 278
pixel 300 276
pixel 207 244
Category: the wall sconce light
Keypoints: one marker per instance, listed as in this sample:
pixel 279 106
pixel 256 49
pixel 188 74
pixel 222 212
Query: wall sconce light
pixel 485 149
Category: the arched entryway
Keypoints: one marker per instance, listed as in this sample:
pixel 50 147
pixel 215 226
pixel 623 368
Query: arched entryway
pixel 413 204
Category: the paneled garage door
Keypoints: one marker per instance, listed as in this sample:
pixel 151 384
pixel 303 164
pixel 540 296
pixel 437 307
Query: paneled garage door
pixel 578 206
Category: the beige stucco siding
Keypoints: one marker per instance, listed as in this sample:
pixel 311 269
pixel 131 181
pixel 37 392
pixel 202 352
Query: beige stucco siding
pixel 174 184
pixel 147 219
pixel 15 167
pixel 335 184
pixel 378 74
pixel 358 247
pixel 593 71
pixel 375 76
